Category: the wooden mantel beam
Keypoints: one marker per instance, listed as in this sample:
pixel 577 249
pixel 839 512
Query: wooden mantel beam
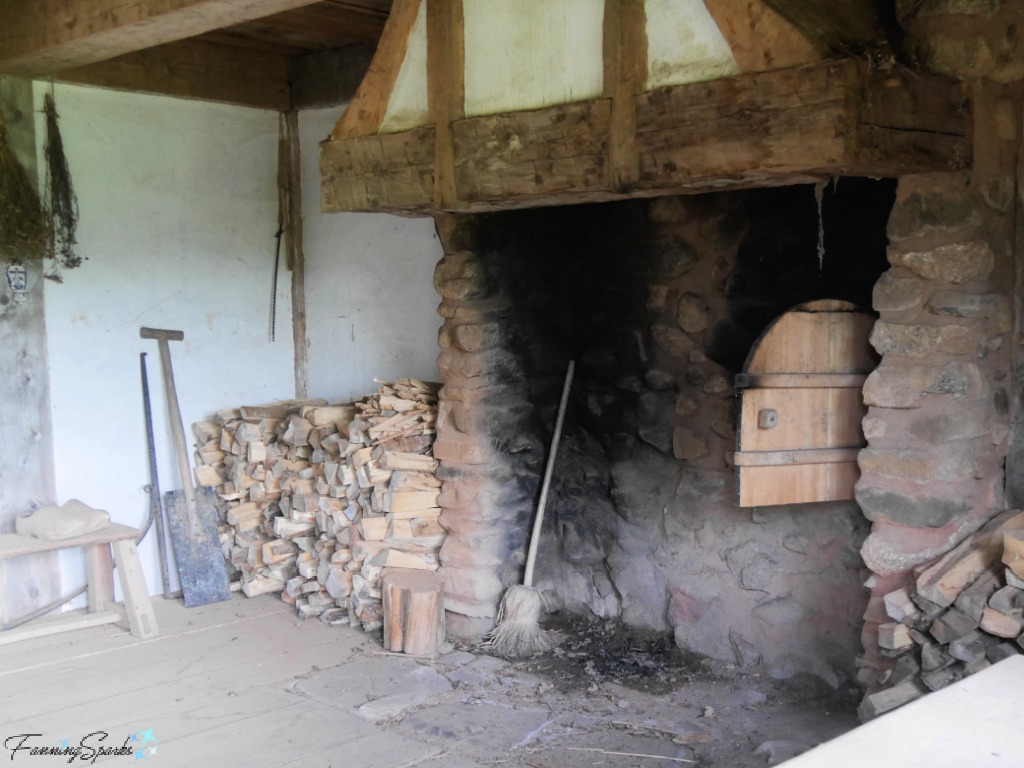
pixel 788 126
pixel 38 37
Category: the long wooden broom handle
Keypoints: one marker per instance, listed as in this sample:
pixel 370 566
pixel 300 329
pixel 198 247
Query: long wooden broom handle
pixel 531 557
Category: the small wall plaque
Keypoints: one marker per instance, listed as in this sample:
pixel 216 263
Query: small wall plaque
pixel 17 282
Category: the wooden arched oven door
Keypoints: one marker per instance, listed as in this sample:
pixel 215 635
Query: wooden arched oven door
pixel 801 406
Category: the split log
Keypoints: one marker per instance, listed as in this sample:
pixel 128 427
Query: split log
pixel 413 612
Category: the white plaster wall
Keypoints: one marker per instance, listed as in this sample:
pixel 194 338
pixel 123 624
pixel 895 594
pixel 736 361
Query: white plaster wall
pixel 371 309
pixel 684 44
pixel 408 105
pixel 524 54
pixel 178 214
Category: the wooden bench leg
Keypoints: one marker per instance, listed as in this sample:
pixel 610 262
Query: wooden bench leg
pixel 99 569
pixel 141 619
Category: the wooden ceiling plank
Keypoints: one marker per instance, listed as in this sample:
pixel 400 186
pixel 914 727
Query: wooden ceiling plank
pixel 194 69
pixel 39 37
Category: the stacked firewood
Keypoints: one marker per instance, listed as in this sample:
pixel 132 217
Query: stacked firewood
pixel 963 613
pixel 321 498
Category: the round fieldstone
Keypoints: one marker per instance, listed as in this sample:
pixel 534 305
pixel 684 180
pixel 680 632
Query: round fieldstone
pixel 894 294
pixel 686 405
pixel 670 257
pixel 904 340
pixel 919 214
pixel 688 445
pixel 716 385
pixel 666 210
pixel 956 263
pixel 672 340
pixel 659 380
pixel 692 315
pixel 657 298
pixel 958 339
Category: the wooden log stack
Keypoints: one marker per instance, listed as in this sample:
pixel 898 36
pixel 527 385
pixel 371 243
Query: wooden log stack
pixel 961 614
pixel 323 499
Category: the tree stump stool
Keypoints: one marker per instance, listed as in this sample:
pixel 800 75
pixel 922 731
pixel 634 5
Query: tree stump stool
pixel 413 611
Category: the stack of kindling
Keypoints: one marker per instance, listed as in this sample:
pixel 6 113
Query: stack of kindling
pixel 963 613
pixel 323 497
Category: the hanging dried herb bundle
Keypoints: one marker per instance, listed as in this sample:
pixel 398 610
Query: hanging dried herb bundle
pixel 60 196
pixel 23 229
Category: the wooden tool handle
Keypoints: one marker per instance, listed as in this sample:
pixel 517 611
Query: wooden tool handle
pixel 178 435
pixel 531 557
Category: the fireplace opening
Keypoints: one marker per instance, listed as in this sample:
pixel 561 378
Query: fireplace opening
pixel 659 301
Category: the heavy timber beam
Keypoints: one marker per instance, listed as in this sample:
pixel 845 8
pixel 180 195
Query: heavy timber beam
pixel 789 126
pixel 194 69
pixel 39 37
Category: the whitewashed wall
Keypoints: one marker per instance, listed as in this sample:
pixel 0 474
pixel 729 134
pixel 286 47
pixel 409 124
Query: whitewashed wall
pixel 371 308
pixel 178 212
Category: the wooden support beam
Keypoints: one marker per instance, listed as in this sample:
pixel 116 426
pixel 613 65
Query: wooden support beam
pixel 39 37
pixel 290 176
pixel 445 91
pixel 365 112
pixel 194 69
pixel 625 76
pixel 26 429
pixel 789 126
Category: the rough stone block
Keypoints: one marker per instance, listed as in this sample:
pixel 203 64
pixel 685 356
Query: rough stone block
pixel 472 591
pixel 692 314
pixel 963 57
pixel 965 422
pixel 894 293
pixel 488 549
pixel 958 7
pixel 474 337
pixel 688 445
pixel 959 339
pixel 905 340
pixel 461 277
pixel 672 340
pixel 949 465
pixel 990 306
pixel 920 214
pixel 891 386
pixel 657 298
pixel 780 611
pixel 671 257
pixel 716 385
pixel 955 263
pixel 685 405
pixel 919 510
pixel 462 451
pixel 480 369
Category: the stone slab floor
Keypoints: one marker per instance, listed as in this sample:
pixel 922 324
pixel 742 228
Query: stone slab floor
pixel 246 683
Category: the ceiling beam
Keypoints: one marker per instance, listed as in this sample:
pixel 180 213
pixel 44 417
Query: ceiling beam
pixel 194 69
pixel 788 126
pixel 39 37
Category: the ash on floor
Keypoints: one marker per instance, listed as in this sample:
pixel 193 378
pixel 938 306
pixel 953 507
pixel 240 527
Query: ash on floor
pixel 607 689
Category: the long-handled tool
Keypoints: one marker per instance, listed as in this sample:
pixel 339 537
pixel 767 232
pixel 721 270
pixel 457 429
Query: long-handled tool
pixel 518 634
pixel 190 516
pixel 156 510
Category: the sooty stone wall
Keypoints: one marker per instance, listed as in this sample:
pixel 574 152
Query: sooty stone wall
pixel 658 302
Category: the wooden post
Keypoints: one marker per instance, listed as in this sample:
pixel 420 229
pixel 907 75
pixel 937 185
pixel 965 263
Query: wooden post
pixel 446 86
pixel 26 431
pixel 625 75
pixel 290 176
pixel 99 569
pixel 413 611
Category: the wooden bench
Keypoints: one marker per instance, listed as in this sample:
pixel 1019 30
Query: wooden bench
pixel 137 609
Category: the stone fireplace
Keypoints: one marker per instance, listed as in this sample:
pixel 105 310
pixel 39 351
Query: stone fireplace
pixel 650 228
pixel 659 301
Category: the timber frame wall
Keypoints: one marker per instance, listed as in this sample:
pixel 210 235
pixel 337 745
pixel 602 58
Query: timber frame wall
pixel 765 128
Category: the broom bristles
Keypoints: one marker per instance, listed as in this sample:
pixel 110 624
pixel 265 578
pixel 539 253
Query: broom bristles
pixel 518 634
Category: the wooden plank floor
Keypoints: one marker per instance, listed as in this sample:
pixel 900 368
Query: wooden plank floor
pixel 217 688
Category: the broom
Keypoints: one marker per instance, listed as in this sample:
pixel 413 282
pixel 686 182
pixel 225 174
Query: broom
pixel 518 634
